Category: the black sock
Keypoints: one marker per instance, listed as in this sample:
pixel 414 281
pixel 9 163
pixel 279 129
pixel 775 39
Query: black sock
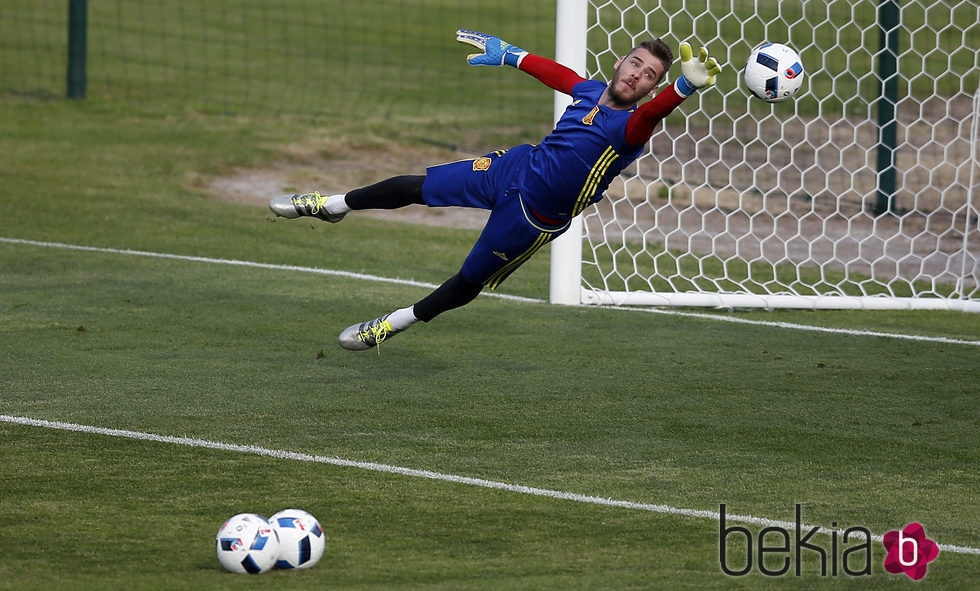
pixel 455 292
pixel 392 193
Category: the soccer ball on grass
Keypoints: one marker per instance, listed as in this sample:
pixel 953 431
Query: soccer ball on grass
pixel 301 538
pixel 774 72
pixel 247 543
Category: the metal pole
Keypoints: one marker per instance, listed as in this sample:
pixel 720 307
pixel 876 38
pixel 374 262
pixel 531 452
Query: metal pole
pixel 971 213
pixel 571 28
pixel 888 22
pixel 77 36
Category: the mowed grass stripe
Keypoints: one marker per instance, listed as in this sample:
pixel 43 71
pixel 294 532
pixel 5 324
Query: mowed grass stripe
pixel 432 475
pixel 408 282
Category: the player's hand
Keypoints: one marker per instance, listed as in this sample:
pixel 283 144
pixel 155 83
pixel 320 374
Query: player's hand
pixel 494 51
pixel 697 72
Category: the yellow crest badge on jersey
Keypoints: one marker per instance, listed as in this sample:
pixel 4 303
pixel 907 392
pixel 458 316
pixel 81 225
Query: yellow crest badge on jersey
pixel 588 119
pixel 482 163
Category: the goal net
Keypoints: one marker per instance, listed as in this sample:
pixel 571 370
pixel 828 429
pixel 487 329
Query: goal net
pixel 860 193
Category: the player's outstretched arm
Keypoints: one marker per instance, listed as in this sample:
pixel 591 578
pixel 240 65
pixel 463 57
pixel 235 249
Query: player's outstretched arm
pixel 497 52
pixel 696 73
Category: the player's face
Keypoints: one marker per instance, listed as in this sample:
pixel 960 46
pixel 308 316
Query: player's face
pixel 637 75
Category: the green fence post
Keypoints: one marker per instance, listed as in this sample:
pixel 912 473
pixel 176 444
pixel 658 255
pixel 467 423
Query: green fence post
pixel 888 21
pixel 77 37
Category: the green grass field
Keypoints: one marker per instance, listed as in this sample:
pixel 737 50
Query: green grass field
pixel 119 309
pixel 684 411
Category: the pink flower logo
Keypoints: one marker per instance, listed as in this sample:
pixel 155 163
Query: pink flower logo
pixel 909 551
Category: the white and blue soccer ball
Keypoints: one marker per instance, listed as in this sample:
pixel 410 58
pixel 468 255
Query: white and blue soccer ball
pixel 247 543
pixel 774 72
pixel 301 539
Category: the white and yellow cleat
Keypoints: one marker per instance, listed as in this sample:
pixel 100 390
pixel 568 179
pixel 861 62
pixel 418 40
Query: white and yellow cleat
pixel 366 335
pixel 307 204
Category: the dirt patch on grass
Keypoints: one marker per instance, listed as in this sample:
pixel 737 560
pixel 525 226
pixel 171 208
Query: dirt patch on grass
pixel 338 167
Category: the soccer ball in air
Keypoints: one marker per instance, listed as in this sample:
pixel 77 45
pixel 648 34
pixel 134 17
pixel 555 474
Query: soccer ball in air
pixel 247 543
pixel 774 72
pixel 301 538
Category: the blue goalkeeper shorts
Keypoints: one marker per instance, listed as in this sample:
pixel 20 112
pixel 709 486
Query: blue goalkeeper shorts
pixel 513 232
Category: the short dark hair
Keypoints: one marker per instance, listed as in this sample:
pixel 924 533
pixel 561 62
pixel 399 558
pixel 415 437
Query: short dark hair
pixel 659 50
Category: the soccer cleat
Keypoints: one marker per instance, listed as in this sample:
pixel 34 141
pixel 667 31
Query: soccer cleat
pixel 307 204
pixel 365 335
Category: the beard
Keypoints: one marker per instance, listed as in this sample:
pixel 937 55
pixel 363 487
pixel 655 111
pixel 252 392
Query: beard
pixel 623 94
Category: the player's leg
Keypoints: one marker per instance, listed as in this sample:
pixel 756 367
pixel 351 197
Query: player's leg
pixel 454 293
pixel 481 183
pixel 453 184
pixel 392 193
pixel 508 240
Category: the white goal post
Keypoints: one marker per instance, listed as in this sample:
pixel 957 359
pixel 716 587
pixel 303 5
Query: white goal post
pixel 862 193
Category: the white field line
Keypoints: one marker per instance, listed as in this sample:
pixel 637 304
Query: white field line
pixel 480 482
pixel 366 277
pixel 806 327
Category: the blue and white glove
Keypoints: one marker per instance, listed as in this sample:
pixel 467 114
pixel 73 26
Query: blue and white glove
pixel 494 51
pixel 695 73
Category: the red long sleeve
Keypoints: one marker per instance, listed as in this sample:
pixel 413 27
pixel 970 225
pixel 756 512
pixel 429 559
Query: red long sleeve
pixel 551 73
pixel 644 120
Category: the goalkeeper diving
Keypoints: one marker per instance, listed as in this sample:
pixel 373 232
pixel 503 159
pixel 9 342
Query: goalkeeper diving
pixel 532 191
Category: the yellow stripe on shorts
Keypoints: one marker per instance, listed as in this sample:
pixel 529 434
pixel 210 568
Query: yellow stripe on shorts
pixel 509 268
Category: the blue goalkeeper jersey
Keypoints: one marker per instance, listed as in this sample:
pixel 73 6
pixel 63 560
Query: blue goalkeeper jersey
pixel 572 167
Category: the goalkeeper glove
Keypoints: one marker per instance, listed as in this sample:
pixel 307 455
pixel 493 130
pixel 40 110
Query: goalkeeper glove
pixel 494 51
pixel 695 73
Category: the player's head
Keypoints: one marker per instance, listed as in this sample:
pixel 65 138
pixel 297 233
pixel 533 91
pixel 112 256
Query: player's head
pixel 659 50
pixel 639 72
